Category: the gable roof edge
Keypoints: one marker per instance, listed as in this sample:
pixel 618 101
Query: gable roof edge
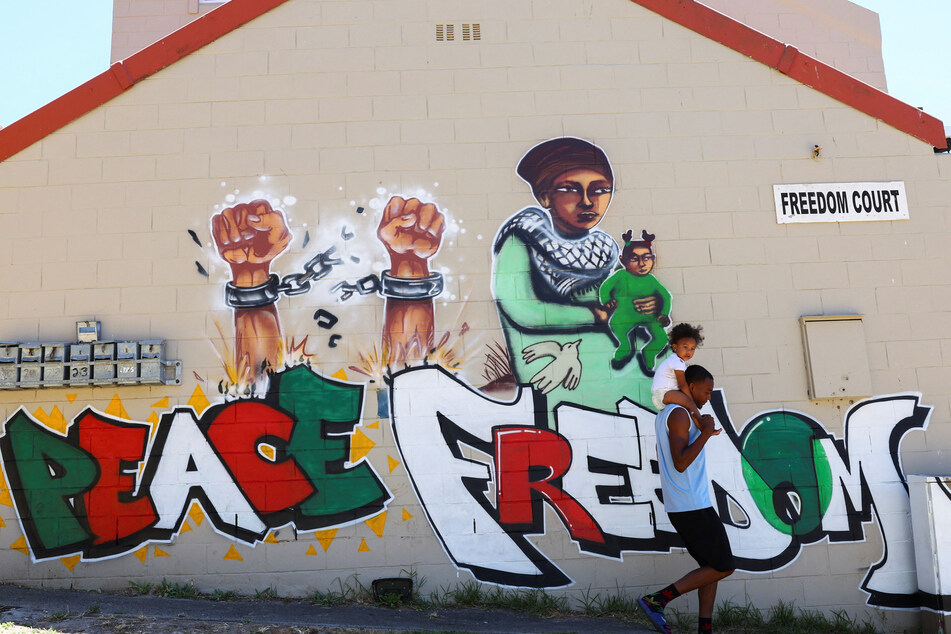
pixel 690 14
pixel 122 75
pixel 797 65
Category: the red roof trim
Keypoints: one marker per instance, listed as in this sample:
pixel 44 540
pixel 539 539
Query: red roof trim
pixel 121 76
pixel 807 70
pixel 699 18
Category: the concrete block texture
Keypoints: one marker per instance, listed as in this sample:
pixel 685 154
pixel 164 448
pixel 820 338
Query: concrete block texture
pixel 327 110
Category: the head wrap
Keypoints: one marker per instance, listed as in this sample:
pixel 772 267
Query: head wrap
pixel 548 160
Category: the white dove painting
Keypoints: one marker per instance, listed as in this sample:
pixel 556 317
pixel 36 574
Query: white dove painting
pixel 564 369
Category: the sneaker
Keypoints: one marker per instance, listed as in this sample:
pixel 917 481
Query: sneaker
pixel 650 607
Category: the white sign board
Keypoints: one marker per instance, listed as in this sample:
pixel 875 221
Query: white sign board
pixel 840 202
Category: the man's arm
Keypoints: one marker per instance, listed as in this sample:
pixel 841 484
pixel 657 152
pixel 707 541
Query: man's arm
pixel 682 450
pixel 412 232
pixel 249 237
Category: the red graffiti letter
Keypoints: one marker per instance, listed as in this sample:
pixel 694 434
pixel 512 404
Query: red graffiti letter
pixel 526 462
pixel 271 482
pixel 118 447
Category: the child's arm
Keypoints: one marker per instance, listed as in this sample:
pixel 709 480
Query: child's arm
pixel 682 396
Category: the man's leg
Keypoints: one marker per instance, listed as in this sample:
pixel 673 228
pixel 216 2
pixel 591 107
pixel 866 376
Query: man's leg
pixel 699 578
pixel 708 597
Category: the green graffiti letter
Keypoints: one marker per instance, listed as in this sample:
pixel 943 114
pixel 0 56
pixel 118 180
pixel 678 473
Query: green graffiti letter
pixel 326 412
pixel 787 472
pixel 47 477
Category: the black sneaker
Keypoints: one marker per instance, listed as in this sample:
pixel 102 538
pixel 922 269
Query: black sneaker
pixel 655 612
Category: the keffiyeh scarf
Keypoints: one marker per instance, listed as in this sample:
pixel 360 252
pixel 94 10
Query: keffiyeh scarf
pixel 562 267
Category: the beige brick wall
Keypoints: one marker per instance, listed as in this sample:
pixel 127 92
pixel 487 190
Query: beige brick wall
pixel 342 103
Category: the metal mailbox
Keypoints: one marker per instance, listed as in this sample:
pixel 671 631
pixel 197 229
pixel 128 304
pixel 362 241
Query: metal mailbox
pixel 31 367
pixel 79 371
pixel 9 370
pixel 54 363
pixel 151 353
pixel 127 353
pixel 87 361
pixel 103 361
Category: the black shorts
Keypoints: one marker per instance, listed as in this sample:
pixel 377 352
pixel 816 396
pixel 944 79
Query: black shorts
pixel 704 537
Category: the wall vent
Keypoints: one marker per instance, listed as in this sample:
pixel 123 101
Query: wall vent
pixel 447 32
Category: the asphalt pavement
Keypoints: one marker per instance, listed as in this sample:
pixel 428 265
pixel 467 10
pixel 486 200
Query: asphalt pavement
pixel 70 610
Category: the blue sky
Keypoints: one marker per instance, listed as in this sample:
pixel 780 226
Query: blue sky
pixel 52 46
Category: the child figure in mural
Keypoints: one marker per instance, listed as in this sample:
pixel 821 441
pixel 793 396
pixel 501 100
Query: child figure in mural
pixel 625 290
pixel 669 386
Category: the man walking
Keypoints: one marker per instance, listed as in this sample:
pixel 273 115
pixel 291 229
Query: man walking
pixel 686 488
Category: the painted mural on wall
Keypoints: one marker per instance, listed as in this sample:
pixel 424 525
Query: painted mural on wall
pixel 561 419
pixel 252 464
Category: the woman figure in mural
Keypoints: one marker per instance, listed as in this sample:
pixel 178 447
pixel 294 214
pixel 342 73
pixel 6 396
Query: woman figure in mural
pixel 550 262
pixel 250 236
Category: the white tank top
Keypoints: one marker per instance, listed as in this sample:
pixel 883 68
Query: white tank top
pixel 683 491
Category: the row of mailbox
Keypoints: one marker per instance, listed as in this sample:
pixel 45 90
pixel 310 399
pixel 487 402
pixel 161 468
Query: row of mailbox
pixel 101 362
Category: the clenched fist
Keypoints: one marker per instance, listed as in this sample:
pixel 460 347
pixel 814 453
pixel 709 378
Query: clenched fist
pixel 248 237
pixel 411 231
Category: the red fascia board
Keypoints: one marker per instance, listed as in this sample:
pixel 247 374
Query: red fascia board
pixel 121 76
pixel 807 70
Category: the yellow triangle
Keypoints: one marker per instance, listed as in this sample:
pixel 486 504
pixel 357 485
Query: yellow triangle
pixel 153 418
pixel 311 550
pixel 340 374
pixel 185 528
pixel 270 539
pixel 377 523
pixel 407 515
pixel 142 553
pixel 161 553
pixel 233 554
pixel 116 409
pixel 326 537
pixel 196 514
pixel 70 562
pixel 374 425
pixel 162 402
pixel 199 401
pixel 41 415
pixel 393 462
pixel 57 421
pixel 363 547
pixel 20 545
pixel 71 397
pixel 360 445
pixel 2 523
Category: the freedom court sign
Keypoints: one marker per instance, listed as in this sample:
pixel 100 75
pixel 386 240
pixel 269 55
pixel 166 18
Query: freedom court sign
pixel 840 202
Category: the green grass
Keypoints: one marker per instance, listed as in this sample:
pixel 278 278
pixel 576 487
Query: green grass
pixel 784 617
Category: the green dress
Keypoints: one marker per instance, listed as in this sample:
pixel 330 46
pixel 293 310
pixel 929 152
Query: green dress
pixel 537 304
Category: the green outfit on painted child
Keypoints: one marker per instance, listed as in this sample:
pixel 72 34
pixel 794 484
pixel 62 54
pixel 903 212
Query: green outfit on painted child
pixel 634 294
